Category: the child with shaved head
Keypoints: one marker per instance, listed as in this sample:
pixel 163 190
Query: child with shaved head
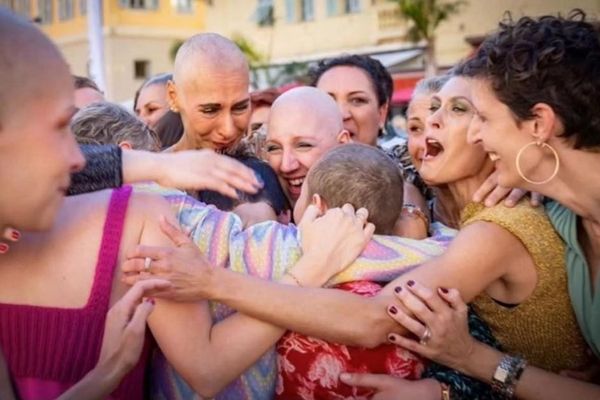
pixel 360 175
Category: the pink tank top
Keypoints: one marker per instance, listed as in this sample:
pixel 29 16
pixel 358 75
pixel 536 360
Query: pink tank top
pixel 49 349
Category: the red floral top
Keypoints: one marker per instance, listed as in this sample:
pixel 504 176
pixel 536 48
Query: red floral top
pixel 309 368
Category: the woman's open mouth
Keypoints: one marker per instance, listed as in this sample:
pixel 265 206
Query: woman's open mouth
pixel 493 156
pixel 432 149
pixel 295 186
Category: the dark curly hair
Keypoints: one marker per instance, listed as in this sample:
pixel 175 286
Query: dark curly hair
pixel 551 60
pixel 380 78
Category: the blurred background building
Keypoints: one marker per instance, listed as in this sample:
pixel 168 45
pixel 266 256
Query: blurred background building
pixel 139 35
pixel 280 37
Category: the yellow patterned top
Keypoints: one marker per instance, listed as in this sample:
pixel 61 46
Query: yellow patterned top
pixel 543 328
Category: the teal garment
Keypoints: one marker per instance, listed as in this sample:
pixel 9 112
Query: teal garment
pixel 586 306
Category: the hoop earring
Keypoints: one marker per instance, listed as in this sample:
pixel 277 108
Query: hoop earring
pixel 542 145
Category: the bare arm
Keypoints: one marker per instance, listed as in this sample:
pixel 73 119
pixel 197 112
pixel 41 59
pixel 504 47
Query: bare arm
pixel 472 262
pixel 185 331
pixel 535 383
pixel 208 357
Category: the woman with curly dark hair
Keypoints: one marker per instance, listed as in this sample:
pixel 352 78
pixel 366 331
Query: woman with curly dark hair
pixel 536 85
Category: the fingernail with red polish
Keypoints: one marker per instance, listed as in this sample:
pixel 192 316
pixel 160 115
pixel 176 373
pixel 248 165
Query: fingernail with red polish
pixel 444 290
pixel 3 248
pixel 397 289
pixel 150 300
pixel 393 310
pixel 15 235
pixel 410 283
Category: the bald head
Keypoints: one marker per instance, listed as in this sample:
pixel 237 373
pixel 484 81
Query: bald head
pixel 27 58
pixel 309 104
pixel 205 52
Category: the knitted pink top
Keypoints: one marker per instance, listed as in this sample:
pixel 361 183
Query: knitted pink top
pixel 49 349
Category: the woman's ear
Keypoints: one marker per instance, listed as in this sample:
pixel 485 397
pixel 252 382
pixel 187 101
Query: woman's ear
pixel 172 97
pixel 125 145
pixel 383 112
pixel 546 122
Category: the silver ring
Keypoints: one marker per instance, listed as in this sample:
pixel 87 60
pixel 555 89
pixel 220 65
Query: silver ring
pixel 426 336
pixel 147 264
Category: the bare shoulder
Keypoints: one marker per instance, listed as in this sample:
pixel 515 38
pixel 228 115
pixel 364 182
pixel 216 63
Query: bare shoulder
pixel 146 205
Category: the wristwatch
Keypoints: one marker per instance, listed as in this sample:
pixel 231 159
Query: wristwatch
pixel 507 374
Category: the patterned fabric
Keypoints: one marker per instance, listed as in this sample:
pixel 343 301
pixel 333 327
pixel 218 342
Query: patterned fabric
pixel 399 153
pixel 267 250
pixel 102 170
pixel 542 328
pixel 309 367
pixel 463 387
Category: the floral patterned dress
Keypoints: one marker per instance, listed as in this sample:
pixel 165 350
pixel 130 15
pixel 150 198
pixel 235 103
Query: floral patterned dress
pixel 309 368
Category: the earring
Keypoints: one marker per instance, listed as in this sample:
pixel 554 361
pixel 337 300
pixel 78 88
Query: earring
pixel 541 145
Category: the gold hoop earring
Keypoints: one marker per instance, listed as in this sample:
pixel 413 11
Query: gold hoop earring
pixel 542 145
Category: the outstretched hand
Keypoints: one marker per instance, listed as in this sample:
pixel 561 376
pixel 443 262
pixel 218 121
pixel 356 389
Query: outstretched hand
pixel 491 193
pixel 192 169
pixel 439 319
pixel 125 327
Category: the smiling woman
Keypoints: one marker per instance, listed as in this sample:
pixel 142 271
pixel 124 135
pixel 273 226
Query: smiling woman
pixel 362 88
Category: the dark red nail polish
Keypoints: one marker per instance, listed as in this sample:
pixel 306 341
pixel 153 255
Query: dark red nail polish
pixel 391 338
pixel 444 290
pixel 393 310
pixel 3 248
pixel 151 300
pixel 16 235
pixel 410 283
pixel 397 289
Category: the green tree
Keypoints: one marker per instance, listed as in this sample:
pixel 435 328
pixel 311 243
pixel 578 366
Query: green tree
pixel 425 16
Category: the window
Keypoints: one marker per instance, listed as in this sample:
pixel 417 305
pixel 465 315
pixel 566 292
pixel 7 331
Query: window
pixel 299 10
pixel 352 6
pixel 45 11
pixel 339 7
pixel 308 10
pixel 332 8
pixel 264 13
pixel 65 10
pixel 139 4
pixel 141 69
pixel 83 7
pixel 183 6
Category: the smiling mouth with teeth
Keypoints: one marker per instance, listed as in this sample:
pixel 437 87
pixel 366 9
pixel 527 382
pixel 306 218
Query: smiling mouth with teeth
pixel 432 148
pixel 296 182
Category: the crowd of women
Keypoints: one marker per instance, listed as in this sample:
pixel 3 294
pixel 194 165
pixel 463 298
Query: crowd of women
pixel 273 250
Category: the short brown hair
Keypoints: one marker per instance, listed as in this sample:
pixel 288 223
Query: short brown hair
pixel 363 176
pixel 82 82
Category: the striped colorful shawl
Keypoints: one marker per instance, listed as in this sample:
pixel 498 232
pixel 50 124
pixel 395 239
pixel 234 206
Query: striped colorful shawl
pixel 267 250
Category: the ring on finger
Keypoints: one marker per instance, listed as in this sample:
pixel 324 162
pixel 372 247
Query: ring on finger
pixel 425 337
pixel 147 264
